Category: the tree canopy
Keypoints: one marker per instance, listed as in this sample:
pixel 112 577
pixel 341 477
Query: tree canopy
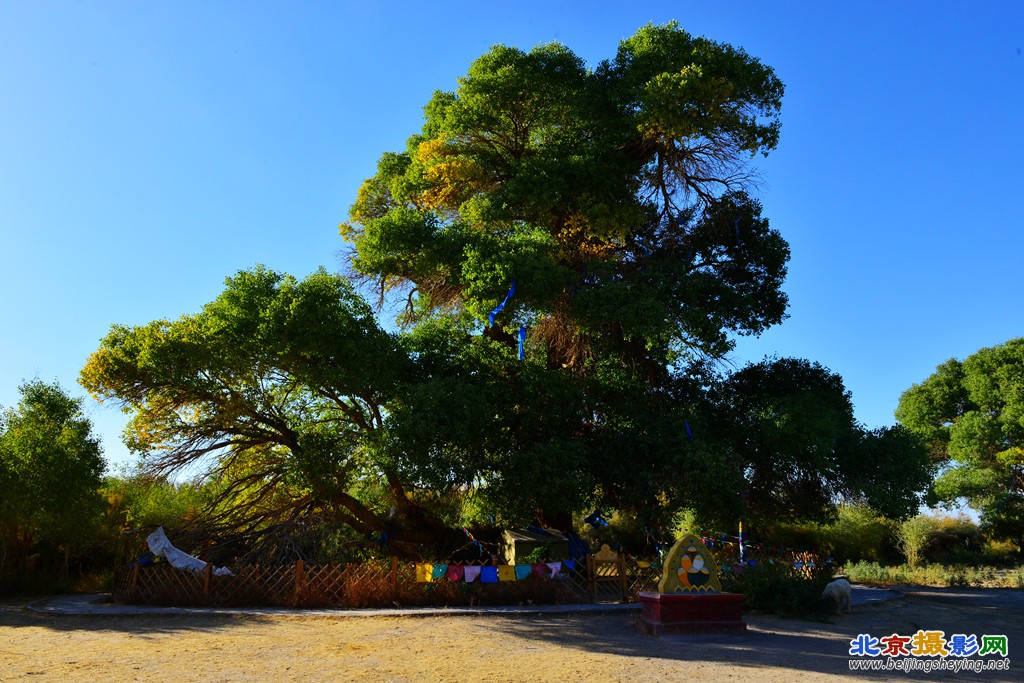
pixel 789 424
pixel 50 469
pixel 615 199
pixel 600 220
pixel 576 250
pixel 971 415
pixel 274 387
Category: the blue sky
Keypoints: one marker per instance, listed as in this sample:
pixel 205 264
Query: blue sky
pixel 149 150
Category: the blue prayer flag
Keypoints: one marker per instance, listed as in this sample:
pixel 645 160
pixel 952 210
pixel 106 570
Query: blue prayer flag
pixel 496 311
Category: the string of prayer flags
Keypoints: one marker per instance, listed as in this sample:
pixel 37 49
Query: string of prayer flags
pixel 496 311
pixel 426 572
pixel 478 544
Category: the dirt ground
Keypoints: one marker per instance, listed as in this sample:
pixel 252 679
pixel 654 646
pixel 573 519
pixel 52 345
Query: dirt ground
pixel 463 648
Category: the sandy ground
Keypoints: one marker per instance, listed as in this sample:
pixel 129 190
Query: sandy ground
pixel 531 648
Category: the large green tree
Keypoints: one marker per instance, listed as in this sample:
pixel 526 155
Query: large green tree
pixel 604 214
pixel 971 414
pixel 50 469
pixel 277 388
pixel 576 250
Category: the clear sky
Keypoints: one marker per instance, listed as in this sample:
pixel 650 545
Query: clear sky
pixel 149 150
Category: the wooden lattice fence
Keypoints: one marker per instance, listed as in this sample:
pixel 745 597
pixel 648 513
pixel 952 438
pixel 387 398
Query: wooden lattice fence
pixel 386 583
pixel 389 583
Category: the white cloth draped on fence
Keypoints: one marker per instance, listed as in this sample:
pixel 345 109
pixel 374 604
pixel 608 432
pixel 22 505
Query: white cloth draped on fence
pixel 161 546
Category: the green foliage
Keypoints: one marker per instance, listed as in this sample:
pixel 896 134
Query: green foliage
pixel 855 532
pixel 608 195
pixel 790 424
pixel 971 415
pixel 958 540
pixel 858 533
pixel 275 389
pixel 915 535
pixel 50 467
pixel 138 501
pixel 542 553
pixel 957 575
pixel 787 419
pixel 616 200
pixel 775 589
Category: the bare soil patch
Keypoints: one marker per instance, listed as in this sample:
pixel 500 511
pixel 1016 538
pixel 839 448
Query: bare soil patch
pixel 538 648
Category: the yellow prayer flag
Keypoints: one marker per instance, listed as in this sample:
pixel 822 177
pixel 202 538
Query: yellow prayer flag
pixel 424 573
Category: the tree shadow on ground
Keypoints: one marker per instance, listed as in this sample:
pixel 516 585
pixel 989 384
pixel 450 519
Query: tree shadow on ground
pixel 15 615
pixel 792 644
pixel 811 647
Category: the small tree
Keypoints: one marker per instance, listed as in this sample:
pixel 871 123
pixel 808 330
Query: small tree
pixel 915 535
pixel 50 468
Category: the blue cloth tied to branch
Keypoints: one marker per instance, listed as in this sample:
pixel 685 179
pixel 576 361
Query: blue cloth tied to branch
pixel 496 311
pixel 522 341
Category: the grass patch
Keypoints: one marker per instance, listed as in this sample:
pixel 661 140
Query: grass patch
pixel 955 575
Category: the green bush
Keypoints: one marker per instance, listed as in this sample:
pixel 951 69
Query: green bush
pixel 775 589
pixel 856 533
pixel 859 533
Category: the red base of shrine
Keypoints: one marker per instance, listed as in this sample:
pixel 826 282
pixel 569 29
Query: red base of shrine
pixel 691 613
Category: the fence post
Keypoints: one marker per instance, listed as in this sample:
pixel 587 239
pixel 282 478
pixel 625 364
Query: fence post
pixel 300 567
pixel 622 576
pixel 206 581
pixel 394 575
pixel 134 582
